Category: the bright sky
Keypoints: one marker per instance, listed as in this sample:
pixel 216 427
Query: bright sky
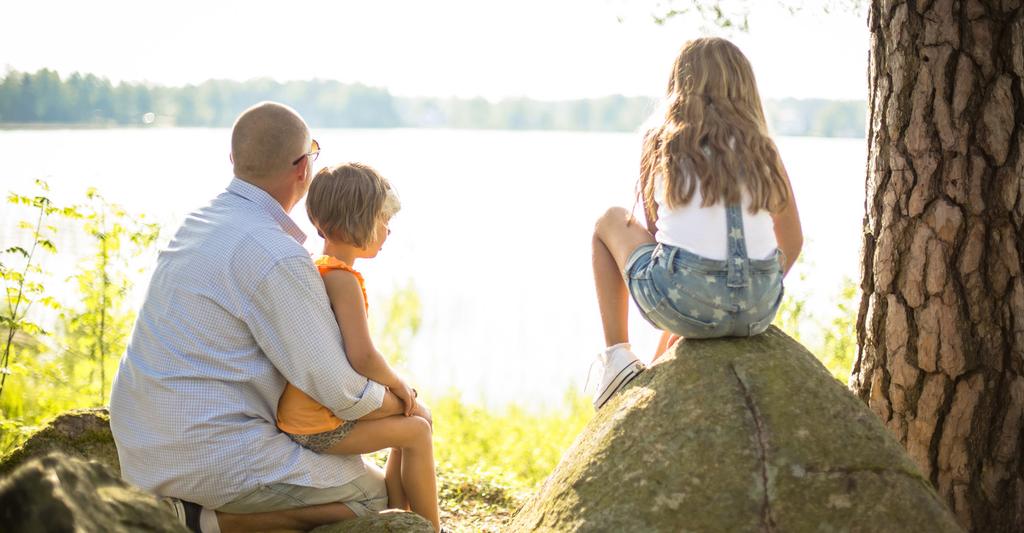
pixel 545 49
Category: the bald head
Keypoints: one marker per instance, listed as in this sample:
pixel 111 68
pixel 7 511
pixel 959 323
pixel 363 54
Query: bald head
pixel 265 140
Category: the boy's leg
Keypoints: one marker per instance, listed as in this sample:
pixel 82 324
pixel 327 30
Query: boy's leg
pixel 616 235
pixel 397 498
pixel 413 435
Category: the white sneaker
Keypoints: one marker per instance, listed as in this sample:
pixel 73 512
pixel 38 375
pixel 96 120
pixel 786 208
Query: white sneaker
pixel 618 366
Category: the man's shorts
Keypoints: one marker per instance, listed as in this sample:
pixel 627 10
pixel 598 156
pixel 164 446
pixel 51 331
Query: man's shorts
pixel 365 495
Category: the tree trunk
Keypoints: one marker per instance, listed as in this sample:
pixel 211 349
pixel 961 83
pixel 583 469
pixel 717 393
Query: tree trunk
pixel 941 325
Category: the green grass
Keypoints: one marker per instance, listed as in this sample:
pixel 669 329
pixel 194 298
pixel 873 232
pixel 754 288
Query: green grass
pixel 514 444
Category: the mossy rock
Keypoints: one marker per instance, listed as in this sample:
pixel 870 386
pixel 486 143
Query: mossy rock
pixel 61 493
pixel 385 522
pixel 735 435
pixel 83 433
pixel 65 477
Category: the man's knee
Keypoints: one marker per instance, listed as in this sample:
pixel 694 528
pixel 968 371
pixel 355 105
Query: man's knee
pixel 375 492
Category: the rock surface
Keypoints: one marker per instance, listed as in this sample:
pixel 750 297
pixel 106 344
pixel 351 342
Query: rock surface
pixel 735 435
pixel 61 493
pixel 83 433
pixel 47 484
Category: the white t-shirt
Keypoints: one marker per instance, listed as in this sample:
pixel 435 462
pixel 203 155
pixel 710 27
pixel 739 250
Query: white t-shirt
pixel 702 230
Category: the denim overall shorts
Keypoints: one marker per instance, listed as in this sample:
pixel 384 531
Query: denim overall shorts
pixel 700 298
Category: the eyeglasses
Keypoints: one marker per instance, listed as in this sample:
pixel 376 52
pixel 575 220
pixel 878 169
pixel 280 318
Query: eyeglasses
pixel 314 152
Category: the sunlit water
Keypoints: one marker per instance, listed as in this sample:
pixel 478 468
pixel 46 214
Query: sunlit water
pixel 494 232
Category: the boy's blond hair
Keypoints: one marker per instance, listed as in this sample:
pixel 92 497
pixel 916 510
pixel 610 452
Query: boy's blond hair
pixel 345 203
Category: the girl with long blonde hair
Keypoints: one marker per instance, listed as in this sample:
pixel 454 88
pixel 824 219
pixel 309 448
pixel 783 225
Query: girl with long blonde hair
pixel 722 227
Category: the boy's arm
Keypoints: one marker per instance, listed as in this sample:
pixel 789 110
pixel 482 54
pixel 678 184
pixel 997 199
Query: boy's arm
pixel 346 298
pixel 290 319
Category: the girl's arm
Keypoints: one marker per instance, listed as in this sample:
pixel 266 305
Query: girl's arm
pixel 350 310
pixel 788 233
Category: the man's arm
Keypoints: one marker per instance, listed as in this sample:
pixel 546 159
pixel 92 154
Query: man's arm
pixel 292 322
pixel 391 406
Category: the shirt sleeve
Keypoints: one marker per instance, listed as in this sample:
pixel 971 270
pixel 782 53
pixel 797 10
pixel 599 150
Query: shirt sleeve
pixel 293 324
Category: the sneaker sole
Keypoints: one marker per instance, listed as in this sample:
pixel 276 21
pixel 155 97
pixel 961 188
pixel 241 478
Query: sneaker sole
pixel 624 376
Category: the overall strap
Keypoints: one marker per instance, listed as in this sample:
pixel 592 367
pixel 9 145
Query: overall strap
pixel 739 263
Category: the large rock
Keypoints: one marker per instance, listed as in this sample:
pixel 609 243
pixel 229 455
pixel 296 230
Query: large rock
pixel 61 493
pixel 735 435
pixel 83 433
pixel 65 477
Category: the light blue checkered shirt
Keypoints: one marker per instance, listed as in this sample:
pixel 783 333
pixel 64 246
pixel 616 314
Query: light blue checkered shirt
pixel 235 307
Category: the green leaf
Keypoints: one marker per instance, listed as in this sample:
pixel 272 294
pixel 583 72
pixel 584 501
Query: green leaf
pixel 18 250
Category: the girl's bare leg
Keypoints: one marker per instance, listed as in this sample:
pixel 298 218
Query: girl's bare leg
pixel 393 479
pixel 667 340
pixel 616 235
pixel 413 435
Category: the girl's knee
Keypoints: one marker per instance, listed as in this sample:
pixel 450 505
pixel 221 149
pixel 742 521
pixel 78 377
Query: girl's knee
pixel 613 217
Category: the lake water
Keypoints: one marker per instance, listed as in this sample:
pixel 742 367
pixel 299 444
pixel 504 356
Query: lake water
pixel 494 232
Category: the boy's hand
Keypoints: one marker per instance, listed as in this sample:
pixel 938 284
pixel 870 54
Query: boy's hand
pixel 407 395
pixel 423 412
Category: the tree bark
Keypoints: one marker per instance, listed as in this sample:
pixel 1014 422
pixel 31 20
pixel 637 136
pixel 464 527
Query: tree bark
pixel 941 324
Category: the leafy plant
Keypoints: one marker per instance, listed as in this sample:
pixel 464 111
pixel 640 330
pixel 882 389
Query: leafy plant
pixel 735 14
pixel 72 368
pixel 23 281
pixel 98 326
pixel 839 345
pixel 833 338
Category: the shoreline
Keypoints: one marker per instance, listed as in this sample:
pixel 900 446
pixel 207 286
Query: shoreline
pixel 84 126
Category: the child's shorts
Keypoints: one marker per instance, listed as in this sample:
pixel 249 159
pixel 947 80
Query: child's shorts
pixel 692 296
pixel 321 442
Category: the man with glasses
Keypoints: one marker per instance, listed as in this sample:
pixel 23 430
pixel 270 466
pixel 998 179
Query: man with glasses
pixel 235 308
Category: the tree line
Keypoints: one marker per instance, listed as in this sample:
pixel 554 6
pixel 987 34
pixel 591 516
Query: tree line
pixel 44 97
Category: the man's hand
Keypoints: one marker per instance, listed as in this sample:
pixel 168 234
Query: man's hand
pixel 391 406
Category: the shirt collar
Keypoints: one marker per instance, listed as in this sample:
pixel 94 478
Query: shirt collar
pixel 263 199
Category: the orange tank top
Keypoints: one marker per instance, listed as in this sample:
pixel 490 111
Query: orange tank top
pixel 297 413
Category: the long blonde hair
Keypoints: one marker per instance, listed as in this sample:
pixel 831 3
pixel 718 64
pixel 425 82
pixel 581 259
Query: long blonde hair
pixel 714 134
